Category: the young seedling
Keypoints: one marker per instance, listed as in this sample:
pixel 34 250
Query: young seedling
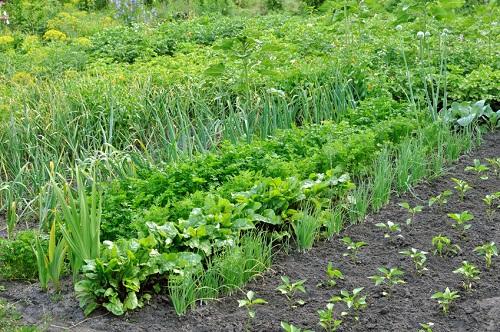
pixel 389 227
pixel 352 301
pixel 488 250
pixel 440 199
pixel 327 319
pixel 411 210
pixel 249 303
pixel 287 327
pixel 478 168
pixel 333 275
pixel 419 258
pixel 469 272
pixel 445 299
pixel 389 276
pixel 289 289
pixel 426 327
pixel 489 201
pixel 353 248
pixel 462 187
pixel 495 164
pixel 443 246
pixel 461 220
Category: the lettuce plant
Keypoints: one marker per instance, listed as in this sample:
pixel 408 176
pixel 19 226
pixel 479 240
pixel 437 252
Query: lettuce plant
pixel 469 272
pixel 445 299
pixel 419 258
pixel 488 250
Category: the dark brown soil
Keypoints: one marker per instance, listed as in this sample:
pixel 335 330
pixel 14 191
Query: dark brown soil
pixel 406 307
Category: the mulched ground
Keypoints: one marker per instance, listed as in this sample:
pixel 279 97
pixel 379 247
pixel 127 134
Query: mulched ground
pixel 406 307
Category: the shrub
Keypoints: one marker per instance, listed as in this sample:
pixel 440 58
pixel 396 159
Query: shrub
pixel 17 258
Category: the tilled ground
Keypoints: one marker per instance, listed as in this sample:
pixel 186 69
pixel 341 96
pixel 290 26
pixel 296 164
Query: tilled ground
pixel 406 307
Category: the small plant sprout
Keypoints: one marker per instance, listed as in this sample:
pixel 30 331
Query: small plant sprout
pixel 411 210
pixel 353 247
pixel 333 275
pixel 461 220
pixel 445 299
pixel 353 301
pixel 287 327
pixel 249 303
pixel 289 289
pixel 389 227
pixel 489 201
pixel 327 319
pixel 426 327
pixel 469 272
pixel 440 199
pixel 495 165
pixel 389 276
pixel 419 258
pixel 488 250
pixel 478 168
pixel 443 246
pixel 462 187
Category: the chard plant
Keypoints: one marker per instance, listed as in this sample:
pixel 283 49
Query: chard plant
pixel 354 300
pixel 469 272
pixel 290 289
pixel 462 187
pixel 488 250
pixel 287 327
pixel 419 258
pixel 333 275
pixel 389 227
pixel 353 248
pixel 249 303
pixel 443 246
pixel 327 319
pixel 489 201
pixel 478 168
pixel 426 327
pixel 461 221
pixel 441 199
pixel 411 210
pixel 495 165
pixel 388 276
pixel 445 299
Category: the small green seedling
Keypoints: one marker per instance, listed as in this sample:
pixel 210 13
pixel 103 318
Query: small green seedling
pixel 478 168
pixel 390 228
pixel 332 275
pixel 426 327
pixel 419 258
pixel 440 199
pixel 489 201
pixel 461 220
pixel 469 272
pixel 353 247
pixel 462 187
pixel 411 210
pixel 291 328
pixel 352 300
pixel 443 246
pixel 289 289
pixel 249 303
pixel 389 276
pixel 445 299
pixel 495 164
pixel 488 250
pixel 327 319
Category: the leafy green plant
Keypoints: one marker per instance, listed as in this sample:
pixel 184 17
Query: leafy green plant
pixel 289 289
pixel 419 258
pixel 426 327
pixel 461 186
pixel 17 258
pixel 443 246
pixel 461 220
pixel 249 303
pixel 389 227
pixel 495 165
pixel 466 114
pixel 489 201
pixel 382 179
pixel 441 199
pixel 12 218
pixel 332 275
pixel 287 327
pixel 411 210
pixel 469 272
pixel 327 319
pixel 305 227
pixel 353 247
pixel 353 300
pixel 445 299
pixel 389 276
pixel 182 292
pixel 488 250
pixel 478 168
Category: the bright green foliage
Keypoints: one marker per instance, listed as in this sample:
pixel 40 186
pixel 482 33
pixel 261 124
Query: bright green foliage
pixel 441 199
pixel 462 187
pixel 478 168
pixel 488 250
pixel 426 327
pixel 305 227
pixel 490 201
pixel 389 227
pixel 411 210
pixel 327 319
pixel 287 327
pixel 443 246
pixel 17 258
pixel 353 247
pixel 332 275
pixel 289 289
pixel 445 299
pixel 495 165
pixel 12 218
pixel 419 258
pixel 354 300
pixel 388 276
pixel 469 272
pixel 461 220
pixel 383 175
pixel 249 303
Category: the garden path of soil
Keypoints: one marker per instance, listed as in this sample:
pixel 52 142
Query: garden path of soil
pixel 407 306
